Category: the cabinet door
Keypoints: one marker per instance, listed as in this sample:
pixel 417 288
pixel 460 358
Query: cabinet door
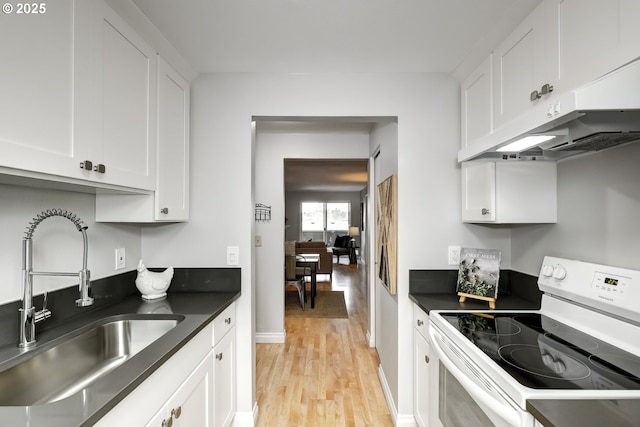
pixel 172 192
pixel 591 38
pixel 477 105
pixel 123 95
pixel 190 405
pixel 478 192
pixel 421 381
pixel 224 393
pixel 520 67
pixel 40 54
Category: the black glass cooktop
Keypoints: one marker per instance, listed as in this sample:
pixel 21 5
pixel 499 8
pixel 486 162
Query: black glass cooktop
pixel 544 354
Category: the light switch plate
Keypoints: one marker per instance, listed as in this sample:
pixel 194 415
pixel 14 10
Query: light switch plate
pixel 120 259
pixel 233 255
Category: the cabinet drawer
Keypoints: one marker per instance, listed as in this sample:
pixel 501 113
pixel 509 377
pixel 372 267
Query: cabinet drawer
pixel 223 323
pixel 421 321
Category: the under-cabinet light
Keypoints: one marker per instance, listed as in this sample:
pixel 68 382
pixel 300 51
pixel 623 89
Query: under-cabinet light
pixel 526 142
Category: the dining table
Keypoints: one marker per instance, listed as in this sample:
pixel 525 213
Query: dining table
pixel 311 262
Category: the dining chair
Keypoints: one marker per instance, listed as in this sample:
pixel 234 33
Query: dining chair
pixel 295 276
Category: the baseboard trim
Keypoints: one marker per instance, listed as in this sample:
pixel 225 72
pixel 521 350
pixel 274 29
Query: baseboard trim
pixel 399 420
pixel 246 419
pixel 387 393
pixel 270 337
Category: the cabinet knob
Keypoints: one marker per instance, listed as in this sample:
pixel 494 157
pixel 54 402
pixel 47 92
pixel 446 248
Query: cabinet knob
pixel 219 356
pixel 535 95
pixel 227 320
pixel 87 164
pixel 100 168
pixel 485 211
pixel 420 322
pixel 426 359
pixel 176 412
pixel 546 88
pixel 164 211
pixel 167 423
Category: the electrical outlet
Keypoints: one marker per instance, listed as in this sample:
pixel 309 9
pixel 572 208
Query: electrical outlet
pixel 453 255
pixel 258 240
pixel 120 259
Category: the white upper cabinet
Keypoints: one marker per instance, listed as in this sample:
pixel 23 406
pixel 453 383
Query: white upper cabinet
pixel 40 54
pixel 561 46
pixel 522 65
pixel 509 192
pixel 79 98
pixel 595 37
pixel 477 103
pixel 170 200
pixel 172 192
pixel 123 101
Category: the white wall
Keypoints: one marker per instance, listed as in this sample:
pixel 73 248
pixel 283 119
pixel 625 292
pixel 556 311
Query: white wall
pixel 384 138
pixel 427 107
pixel 57 244
pixel 271 150
pixel 598 212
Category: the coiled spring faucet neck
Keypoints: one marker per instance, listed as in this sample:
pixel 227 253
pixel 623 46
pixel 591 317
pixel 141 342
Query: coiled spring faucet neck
pixel 28 315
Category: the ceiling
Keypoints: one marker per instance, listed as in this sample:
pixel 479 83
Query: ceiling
pixel 325 175
pixel 315 36
pixel 334 36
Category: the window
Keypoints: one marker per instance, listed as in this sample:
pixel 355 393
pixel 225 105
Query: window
pixel 324 220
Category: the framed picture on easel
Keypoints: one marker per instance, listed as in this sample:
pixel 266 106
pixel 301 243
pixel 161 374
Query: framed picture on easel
pixel 478 275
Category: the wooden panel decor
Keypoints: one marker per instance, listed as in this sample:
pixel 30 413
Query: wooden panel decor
pixel 387 232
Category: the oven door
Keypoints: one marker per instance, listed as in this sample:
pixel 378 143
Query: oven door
pixel 464 396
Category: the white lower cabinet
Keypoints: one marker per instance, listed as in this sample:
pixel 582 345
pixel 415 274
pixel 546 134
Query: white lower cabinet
pixel 224 370
pixel 189 406
pixel 195 387
pixel 224 390
pixel 421 367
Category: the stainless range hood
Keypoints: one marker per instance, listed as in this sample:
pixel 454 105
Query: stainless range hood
pixel 601 115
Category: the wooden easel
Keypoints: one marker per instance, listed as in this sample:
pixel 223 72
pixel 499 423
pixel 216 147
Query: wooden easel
pixel 492 301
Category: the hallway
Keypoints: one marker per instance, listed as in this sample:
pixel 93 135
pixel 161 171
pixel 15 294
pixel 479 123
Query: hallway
pixel 325 374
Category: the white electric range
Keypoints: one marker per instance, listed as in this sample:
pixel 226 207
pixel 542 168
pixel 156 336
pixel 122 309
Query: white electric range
pixel 584 343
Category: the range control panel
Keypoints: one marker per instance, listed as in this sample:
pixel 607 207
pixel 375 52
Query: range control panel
pixel 611 289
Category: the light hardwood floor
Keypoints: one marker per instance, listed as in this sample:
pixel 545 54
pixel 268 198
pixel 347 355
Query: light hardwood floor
pixel 324 374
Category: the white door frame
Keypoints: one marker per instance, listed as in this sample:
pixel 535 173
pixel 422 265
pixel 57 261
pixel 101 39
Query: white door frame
pixel 372 246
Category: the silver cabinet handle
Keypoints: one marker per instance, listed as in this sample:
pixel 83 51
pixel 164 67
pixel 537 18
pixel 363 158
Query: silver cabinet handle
pixel 87 164
pixel 219 356
pixel 227 320
pixel 420 322
pixel 426 358
pixel 100 168
pixel 176 412
pixel 485 211
pixel 534 95
pixel 545 89
pixel 164 211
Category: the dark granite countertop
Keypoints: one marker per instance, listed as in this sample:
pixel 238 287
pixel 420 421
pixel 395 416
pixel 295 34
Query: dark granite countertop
pixel 449 301
pixel 586 413
pixel 196 296
pixel 436 290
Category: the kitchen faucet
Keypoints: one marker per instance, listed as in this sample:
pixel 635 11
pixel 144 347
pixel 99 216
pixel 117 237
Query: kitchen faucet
pixel 28 314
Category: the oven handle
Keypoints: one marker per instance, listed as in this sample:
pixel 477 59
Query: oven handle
pixel 505 412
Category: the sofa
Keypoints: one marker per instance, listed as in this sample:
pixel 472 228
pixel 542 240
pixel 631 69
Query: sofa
pixel 325 266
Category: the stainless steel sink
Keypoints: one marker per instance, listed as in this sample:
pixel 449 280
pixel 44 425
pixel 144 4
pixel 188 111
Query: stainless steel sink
pixel 70 366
